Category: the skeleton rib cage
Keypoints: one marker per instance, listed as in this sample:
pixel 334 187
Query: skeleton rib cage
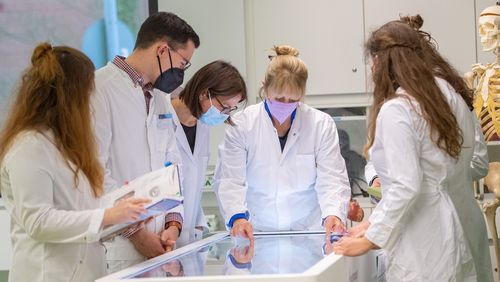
pixel 487 100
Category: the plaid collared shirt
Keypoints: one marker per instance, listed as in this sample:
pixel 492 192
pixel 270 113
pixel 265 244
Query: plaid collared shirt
pixel 147 88
pixel 136 78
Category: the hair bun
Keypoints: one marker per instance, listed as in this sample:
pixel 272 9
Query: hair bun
pixel 45 64
pixel 285 50
pixel 416 22
pixel 40 52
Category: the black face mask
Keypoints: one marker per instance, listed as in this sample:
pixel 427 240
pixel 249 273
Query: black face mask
pixel 169 80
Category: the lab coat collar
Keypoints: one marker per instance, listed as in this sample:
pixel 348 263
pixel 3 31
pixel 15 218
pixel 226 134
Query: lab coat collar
pixel 138 89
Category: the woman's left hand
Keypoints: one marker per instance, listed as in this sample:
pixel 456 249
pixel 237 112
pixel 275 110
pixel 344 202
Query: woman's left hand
pixel 351 247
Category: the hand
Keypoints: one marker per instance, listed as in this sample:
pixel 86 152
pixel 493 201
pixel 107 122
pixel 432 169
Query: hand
pixel 376 182
pixel 147 243
pixel 173 268
pixel 168 238
pixel 333 223
pixel 241 227
pixel 358 230
pixel 124 211
pixel 243 254
pixel 349 246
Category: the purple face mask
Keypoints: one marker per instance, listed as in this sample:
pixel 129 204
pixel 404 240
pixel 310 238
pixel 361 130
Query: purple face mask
pixel 281 111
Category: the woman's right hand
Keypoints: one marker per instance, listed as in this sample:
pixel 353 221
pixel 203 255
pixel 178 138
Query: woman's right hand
pixel 243 228
pixel 358 230
pixel 124 211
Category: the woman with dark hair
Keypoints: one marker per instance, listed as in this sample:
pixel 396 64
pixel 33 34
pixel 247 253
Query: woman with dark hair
pixel 209 98
pixel 418 149
pixel 50 177
pixel 462 196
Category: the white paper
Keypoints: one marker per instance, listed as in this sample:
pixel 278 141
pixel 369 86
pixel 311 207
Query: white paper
pixel 162 186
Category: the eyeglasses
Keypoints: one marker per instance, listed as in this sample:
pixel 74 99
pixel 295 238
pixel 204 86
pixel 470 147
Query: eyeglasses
pixel 187 63
pixel 225 109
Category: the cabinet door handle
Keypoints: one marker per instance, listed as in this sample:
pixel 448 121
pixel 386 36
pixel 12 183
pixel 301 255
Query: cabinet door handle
pixel 354 69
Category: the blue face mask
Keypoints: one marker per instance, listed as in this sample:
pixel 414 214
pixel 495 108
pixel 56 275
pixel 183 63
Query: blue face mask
pixel 213 116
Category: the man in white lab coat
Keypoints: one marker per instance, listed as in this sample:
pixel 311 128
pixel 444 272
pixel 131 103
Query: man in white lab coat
pixel 133 124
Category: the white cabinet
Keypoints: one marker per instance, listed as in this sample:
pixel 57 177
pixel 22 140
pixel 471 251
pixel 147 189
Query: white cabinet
pixel 328 35
pixel 451 22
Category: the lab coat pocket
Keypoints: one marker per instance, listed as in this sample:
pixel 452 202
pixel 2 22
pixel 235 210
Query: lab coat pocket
pixel 163 121
pixel 161 139
pixel 306 171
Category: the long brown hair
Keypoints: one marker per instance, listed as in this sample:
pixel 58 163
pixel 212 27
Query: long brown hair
pixel 399 62
pixel 441 66
pixel 220 78
pixel 54 94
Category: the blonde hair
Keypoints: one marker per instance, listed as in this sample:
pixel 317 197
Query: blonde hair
pixel 55 94
pixel 286 72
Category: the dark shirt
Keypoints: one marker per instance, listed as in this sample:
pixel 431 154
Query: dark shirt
pixel 190 135
pixel 283 140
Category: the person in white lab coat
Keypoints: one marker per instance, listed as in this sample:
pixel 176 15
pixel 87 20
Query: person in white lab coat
pixel 207 100
pixel 419 151
pixel 50 177
pixel 461 194
pixel 280 167
pixel 134 127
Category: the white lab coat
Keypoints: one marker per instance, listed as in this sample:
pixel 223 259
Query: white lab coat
pixel 289 190
pixel 461 192
pixel 194 167
pixel 478 165
pixel 473 165
pixel 416 222
pixel 131 143
pixel 55 226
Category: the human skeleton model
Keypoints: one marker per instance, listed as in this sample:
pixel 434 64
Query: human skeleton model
pixel 492 180
pixel 487 93
pixel 487 107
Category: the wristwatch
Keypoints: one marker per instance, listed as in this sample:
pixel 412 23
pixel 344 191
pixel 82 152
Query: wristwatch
pixel 174 223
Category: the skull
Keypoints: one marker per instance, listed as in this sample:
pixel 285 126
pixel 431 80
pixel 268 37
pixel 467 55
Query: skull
pixel 489 24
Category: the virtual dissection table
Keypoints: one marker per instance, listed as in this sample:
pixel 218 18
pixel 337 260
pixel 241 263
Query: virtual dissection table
pixel 278 256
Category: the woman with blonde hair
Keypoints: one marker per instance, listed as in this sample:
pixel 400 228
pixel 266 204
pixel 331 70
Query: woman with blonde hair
pixel 280 167
pixel 50 177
